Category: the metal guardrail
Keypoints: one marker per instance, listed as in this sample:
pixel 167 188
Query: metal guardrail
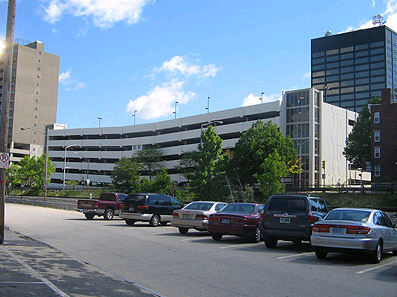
pixel 54 202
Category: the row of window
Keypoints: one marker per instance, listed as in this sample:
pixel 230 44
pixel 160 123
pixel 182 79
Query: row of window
pixel 349 49
pixel 347 80
pixel 348 63
pixel 361 57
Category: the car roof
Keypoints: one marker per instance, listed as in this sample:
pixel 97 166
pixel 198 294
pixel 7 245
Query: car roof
pixel 356 208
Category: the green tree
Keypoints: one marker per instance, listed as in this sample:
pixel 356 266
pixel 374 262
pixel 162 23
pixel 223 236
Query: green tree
pixel 358 143
pixel 149 157
pixel 273 169
pixel 13 177
pixel 125 175
pixel 208 178
pixel 32 170
pixel 161 184
pixel 254 146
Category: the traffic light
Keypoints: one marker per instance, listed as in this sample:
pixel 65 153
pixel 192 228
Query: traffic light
pixel 323 164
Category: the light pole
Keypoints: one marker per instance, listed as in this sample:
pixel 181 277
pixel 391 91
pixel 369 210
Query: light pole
pixel 99 121
pixel 64 164
pixel 206 125
pixel 134 115
pixel 176 102
pixel 300 144
pixel 261 98
pixel 208 105
pixel 45 157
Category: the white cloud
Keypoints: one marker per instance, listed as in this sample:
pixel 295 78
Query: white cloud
pixel 252 99
pixel 104 13
pixel 159 102
pixel 182 65
pixel 70 82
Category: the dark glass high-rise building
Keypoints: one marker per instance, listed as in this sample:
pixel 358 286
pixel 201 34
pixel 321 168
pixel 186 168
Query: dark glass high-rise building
pixel 355 66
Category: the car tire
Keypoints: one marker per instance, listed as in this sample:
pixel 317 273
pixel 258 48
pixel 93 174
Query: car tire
pixel 395 253
pixel 376 255
pixel 216 236
pixel 130 222
pixel 155 220
pixel 270 242
pixel 163 223
pixel 321 254
pixel 89 216
pixel 257 235
pixel 108 215
pixel 183 230
pixel 297 241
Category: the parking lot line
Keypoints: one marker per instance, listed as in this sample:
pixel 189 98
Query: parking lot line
pixel 232 246
pixel 295 255
pixel 375 267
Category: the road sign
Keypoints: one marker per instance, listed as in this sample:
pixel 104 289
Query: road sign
pixel 286 180
pixel 4 160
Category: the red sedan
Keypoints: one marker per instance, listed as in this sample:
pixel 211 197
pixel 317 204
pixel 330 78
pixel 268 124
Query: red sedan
pixel 240 219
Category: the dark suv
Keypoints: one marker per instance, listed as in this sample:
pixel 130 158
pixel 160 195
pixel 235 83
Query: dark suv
pixel 149 207
pixel 291 217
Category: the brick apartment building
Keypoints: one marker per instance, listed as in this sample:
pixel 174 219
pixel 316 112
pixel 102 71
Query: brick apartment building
pixel 384 140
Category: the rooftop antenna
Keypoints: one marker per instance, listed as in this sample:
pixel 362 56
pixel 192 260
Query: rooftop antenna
pixel 328 33
pixel 378 20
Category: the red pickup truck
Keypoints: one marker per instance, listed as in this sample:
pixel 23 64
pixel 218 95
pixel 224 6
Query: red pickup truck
pixel 108 205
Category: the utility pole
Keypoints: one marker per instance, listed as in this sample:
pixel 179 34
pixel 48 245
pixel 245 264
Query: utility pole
pixel 5 103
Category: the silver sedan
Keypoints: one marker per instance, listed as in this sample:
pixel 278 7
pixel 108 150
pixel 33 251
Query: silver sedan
pixel 355 229
pixel 195 215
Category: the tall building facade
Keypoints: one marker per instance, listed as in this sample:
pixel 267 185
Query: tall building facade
pixel 355 66
pixel 33 98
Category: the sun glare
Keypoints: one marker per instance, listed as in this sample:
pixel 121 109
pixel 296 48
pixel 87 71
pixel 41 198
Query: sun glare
pixel 2 45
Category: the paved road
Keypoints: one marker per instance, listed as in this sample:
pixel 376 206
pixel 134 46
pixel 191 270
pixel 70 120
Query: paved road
pixel 194 265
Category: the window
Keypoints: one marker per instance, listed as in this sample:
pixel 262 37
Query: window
pixel 377 117
pixel 377 170
pixel 377 152
pixel 376 136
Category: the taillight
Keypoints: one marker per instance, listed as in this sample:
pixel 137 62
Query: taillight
pixel 96 204
pixel 201 217
pixel 357 230
pixel 321 228
pixel 122 205
pixel 175 215
pixel 213 219
pixel 310 217
pixel 262 215
pixel 144 207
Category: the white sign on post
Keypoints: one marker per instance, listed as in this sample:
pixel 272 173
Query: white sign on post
pixel 4 160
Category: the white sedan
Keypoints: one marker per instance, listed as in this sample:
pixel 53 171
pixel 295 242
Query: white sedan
pixel 355 229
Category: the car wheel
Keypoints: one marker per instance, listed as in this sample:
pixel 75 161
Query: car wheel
pixel 89 216
pixel 321 254
pixel 108 215
pixel 376 255
pixel 183 230
pixel 130 222
pixel 257 236
pixel 395 253
pixel 155 220
pixel 216 236
pixel 297 241
pixel 270 242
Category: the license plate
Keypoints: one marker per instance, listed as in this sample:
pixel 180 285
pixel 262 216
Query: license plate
pixel 225 221
pixel 131 209
pixel 186 217
pixel 337 230
pixel 285 220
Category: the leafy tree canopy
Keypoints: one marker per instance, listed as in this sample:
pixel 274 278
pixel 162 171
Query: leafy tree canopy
pixel 149 157
pixel 125 175
pixel 358 143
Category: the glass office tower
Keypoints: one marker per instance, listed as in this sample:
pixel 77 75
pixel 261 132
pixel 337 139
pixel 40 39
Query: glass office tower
pixel 355 66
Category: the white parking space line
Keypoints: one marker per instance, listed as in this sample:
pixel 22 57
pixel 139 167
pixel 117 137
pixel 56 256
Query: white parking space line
pixel 376 267
pixel 295 255
pixel 232 246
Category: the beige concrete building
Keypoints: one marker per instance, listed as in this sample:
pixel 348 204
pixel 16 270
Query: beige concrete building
pixel 34 95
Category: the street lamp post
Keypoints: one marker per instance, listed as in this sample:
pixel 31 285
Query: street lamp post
pixel 46 134
pixel 134 115
pixel 261 98
pixel 64 164
pixel 176 102
pixel 99 121
pixel 208 105
pixel 206 125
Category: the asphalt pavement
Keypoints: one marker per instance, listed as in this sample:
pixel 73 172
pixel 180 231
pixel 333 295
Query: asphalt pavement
pixel 32 268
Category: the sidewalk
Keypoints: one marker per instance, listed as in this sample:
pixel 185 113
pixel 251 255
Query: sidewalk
pixel 31 268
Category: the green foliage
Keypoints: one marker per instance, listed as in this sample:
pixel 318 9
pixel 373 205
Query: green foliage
pixel 13 177
pixel 31 171
pixel 358 143
pixel 208 178
pixel 125 176
pixel 148 158
pixel 254 146
pixel 161 184
pixel 273 169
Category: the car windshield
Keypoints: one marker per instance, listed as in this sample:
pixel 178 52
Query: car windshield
pixel 348 215
pixel 239 208
pixel 199 206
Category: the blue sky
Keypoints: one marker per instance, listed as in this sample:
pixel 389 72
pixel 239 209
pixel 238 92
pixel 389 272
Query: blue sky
pixel 118 56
